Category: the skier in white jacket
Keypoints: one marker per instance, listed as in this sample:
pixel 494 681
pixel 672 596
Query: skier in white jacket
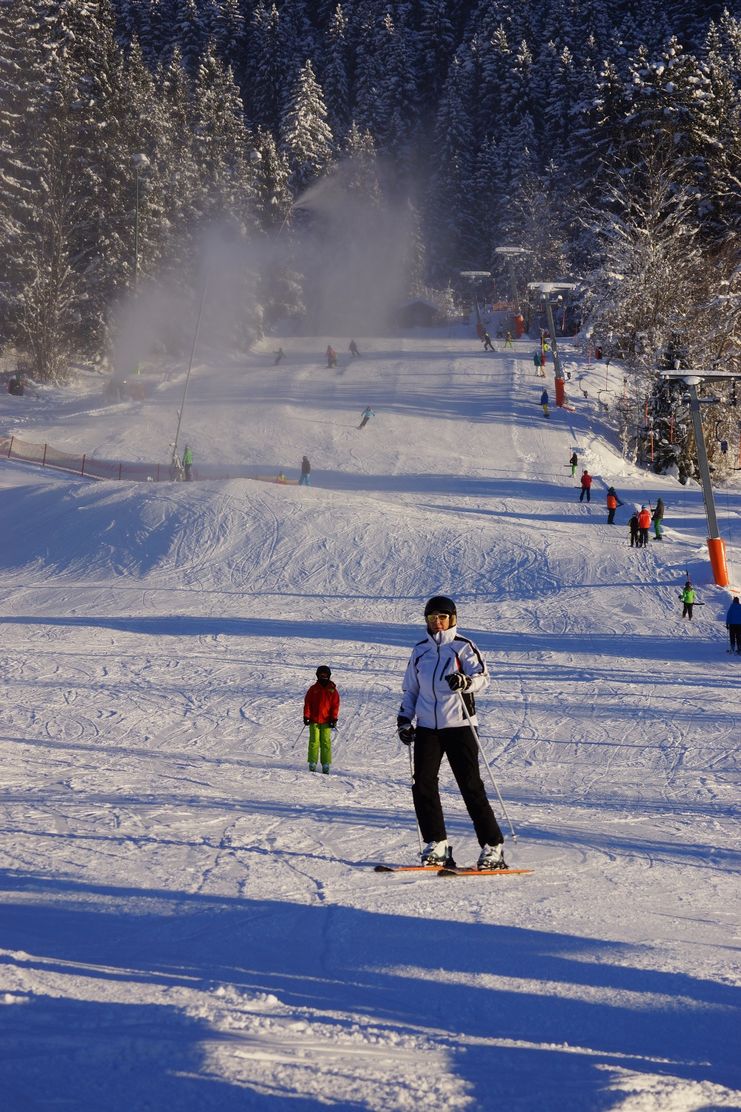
pixel 443 668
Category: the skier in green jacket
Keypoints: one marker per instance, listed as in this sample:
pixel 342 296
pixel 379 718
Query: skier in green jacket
pixel 688 597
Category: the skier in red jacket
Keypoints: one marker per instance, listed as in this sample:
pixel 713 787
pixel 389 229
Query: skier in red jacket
pixel 586 486
pixel 321 711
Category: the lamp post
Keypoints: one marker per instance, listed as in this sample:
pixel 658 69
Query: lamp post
pixel 510 254
pixel 175 468
pixel 140 162
pixel 692 379
pixel 546 289
pixel 476 276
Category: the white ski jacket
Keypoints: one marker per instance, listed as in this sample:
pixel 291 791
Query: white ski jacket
pixel 426 692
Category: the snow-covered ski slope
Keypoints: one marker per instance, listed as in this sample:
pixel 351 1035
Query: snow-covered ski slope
pixel 189 919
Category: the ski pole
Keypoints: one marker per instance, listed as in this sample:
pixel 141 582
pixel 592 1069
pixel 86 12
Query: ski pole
pixel 298 739
pixel 411 773
pixel 488 768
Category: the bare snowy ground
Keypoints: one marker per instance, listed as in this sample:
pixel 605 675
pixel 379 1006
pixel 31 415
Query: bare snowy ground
pixel 188 918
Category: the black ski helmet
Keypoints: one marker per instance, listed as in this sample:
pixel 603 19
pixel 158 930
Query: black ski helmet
pixel 323 670
pixel 440 604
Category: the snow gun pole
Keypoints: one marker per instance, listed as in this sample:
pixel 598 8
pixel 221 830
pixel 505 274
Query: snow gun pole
pixel 411 774
pixel 488 768
pixel 190 366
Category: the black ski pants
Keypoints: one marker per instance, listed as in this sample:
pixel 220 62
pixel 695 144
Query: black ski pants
pixel 585 492
pixel 459 746
pixel 610 517
pixel 734 633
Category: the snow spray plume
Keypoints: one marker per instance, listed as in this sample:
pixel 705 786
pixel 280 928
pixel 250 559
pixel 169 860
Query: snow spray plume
pixel 159 319
pixel 353 250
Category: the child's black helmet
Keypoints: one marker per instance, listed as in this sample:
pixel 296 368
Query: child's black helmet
pixel 323 670
pixel 440 604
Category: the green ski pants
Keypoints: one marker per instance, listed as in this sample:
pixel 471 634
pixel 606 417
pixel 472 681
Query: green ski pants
pixel 320 743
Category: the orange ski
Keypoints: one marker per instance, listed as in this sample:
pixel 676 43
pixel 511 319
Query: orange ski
pixel 483 872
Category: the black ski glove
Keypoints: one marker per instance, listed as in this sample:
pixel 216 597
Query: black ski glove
pixel 405 730
pixel 307 721
pixel 458 682
pixel 332 723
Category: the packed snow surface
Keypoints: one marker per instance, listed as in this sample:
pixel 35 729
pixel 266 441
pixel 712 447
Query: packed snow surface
pixel 189 919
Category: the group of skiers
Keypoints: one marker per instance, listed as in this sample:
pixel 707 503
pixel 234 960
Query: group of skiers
pixel 641 521
pixel 437 717
pixel 331 354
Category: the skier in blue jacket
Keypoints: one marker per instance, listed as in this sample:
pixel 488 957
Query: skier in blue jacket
pixel 733 625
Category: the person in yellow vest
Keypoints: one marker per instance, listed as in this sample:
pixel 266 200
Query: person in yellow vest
pixel 187 463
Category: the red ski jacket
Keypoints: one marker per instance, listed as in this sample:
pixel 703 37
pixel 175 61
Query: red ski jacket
pixel 322 703
pixel 644 519
pixel 586 479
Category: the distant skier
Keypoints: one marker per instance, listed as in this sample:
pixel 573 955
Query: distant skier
pixel 187 463
pixel 544 403
pixel 444 671
pixel 688 596
pixel 573 461
pixel 488 345
pixel 331 356
pixel 644 524
pixel 365 417
pixel 280 354
pixel 586 486
pixel 321 711
pixel 657 517
pixel 536 362
pixel 633 527
pixel 612 504
pixel 353 349
pixel 733 625
pixel 508 340
pixel 305 472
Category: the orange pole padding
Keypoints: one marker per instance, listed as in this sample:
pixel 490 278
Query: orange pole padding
pixel 717 550
pixel 560 391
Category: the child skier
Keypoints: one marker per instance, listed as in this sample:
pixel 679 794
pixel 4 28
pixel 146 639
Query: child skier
pixel 321 711
pixel 644 523
pixel 331 356
pixel 688 596
pixel 366 416
pixel 544 403
pixel 573 462
pixel 586 486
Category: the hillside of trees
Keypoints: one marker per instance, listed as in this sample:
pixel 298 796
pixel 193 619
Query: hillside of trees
pixel 602 136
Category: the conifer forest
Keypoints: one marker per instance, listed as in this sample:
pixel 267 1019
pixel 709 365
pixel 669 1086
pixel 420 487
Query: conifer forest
pixel 603 137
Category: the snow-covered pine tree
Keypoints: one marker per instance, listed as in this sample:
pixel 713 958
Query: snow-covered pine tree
pixel 306 138
pixel 270 67
pixel 398 104
pixel 451 229
pixel 189 34
pixel 334 72
pixel 23 95
pixel 228 34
